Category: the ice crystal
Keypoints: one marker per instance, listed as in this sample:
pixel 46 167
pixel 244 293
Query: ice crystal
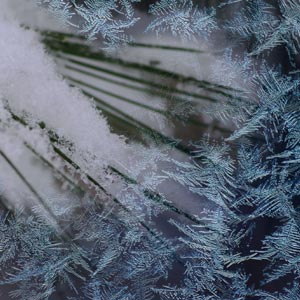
pixel 115 249
pixel 181 18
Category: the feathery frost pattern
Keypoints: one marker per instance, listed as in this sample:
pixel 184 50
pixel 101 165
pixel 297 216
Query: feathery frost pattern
pixel 181 18
pixel 87 222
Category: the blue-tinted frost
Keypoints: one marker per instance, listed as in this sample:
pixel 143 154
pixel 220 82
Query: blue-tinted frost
pixel 248 179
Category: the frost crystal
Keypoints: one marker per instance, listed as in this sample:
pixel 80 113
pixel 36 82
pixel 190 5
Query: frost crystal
pixel 96 216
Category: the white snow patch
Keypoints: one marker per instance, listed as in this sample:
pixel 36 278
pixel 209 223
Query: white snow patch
pixel 33 89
